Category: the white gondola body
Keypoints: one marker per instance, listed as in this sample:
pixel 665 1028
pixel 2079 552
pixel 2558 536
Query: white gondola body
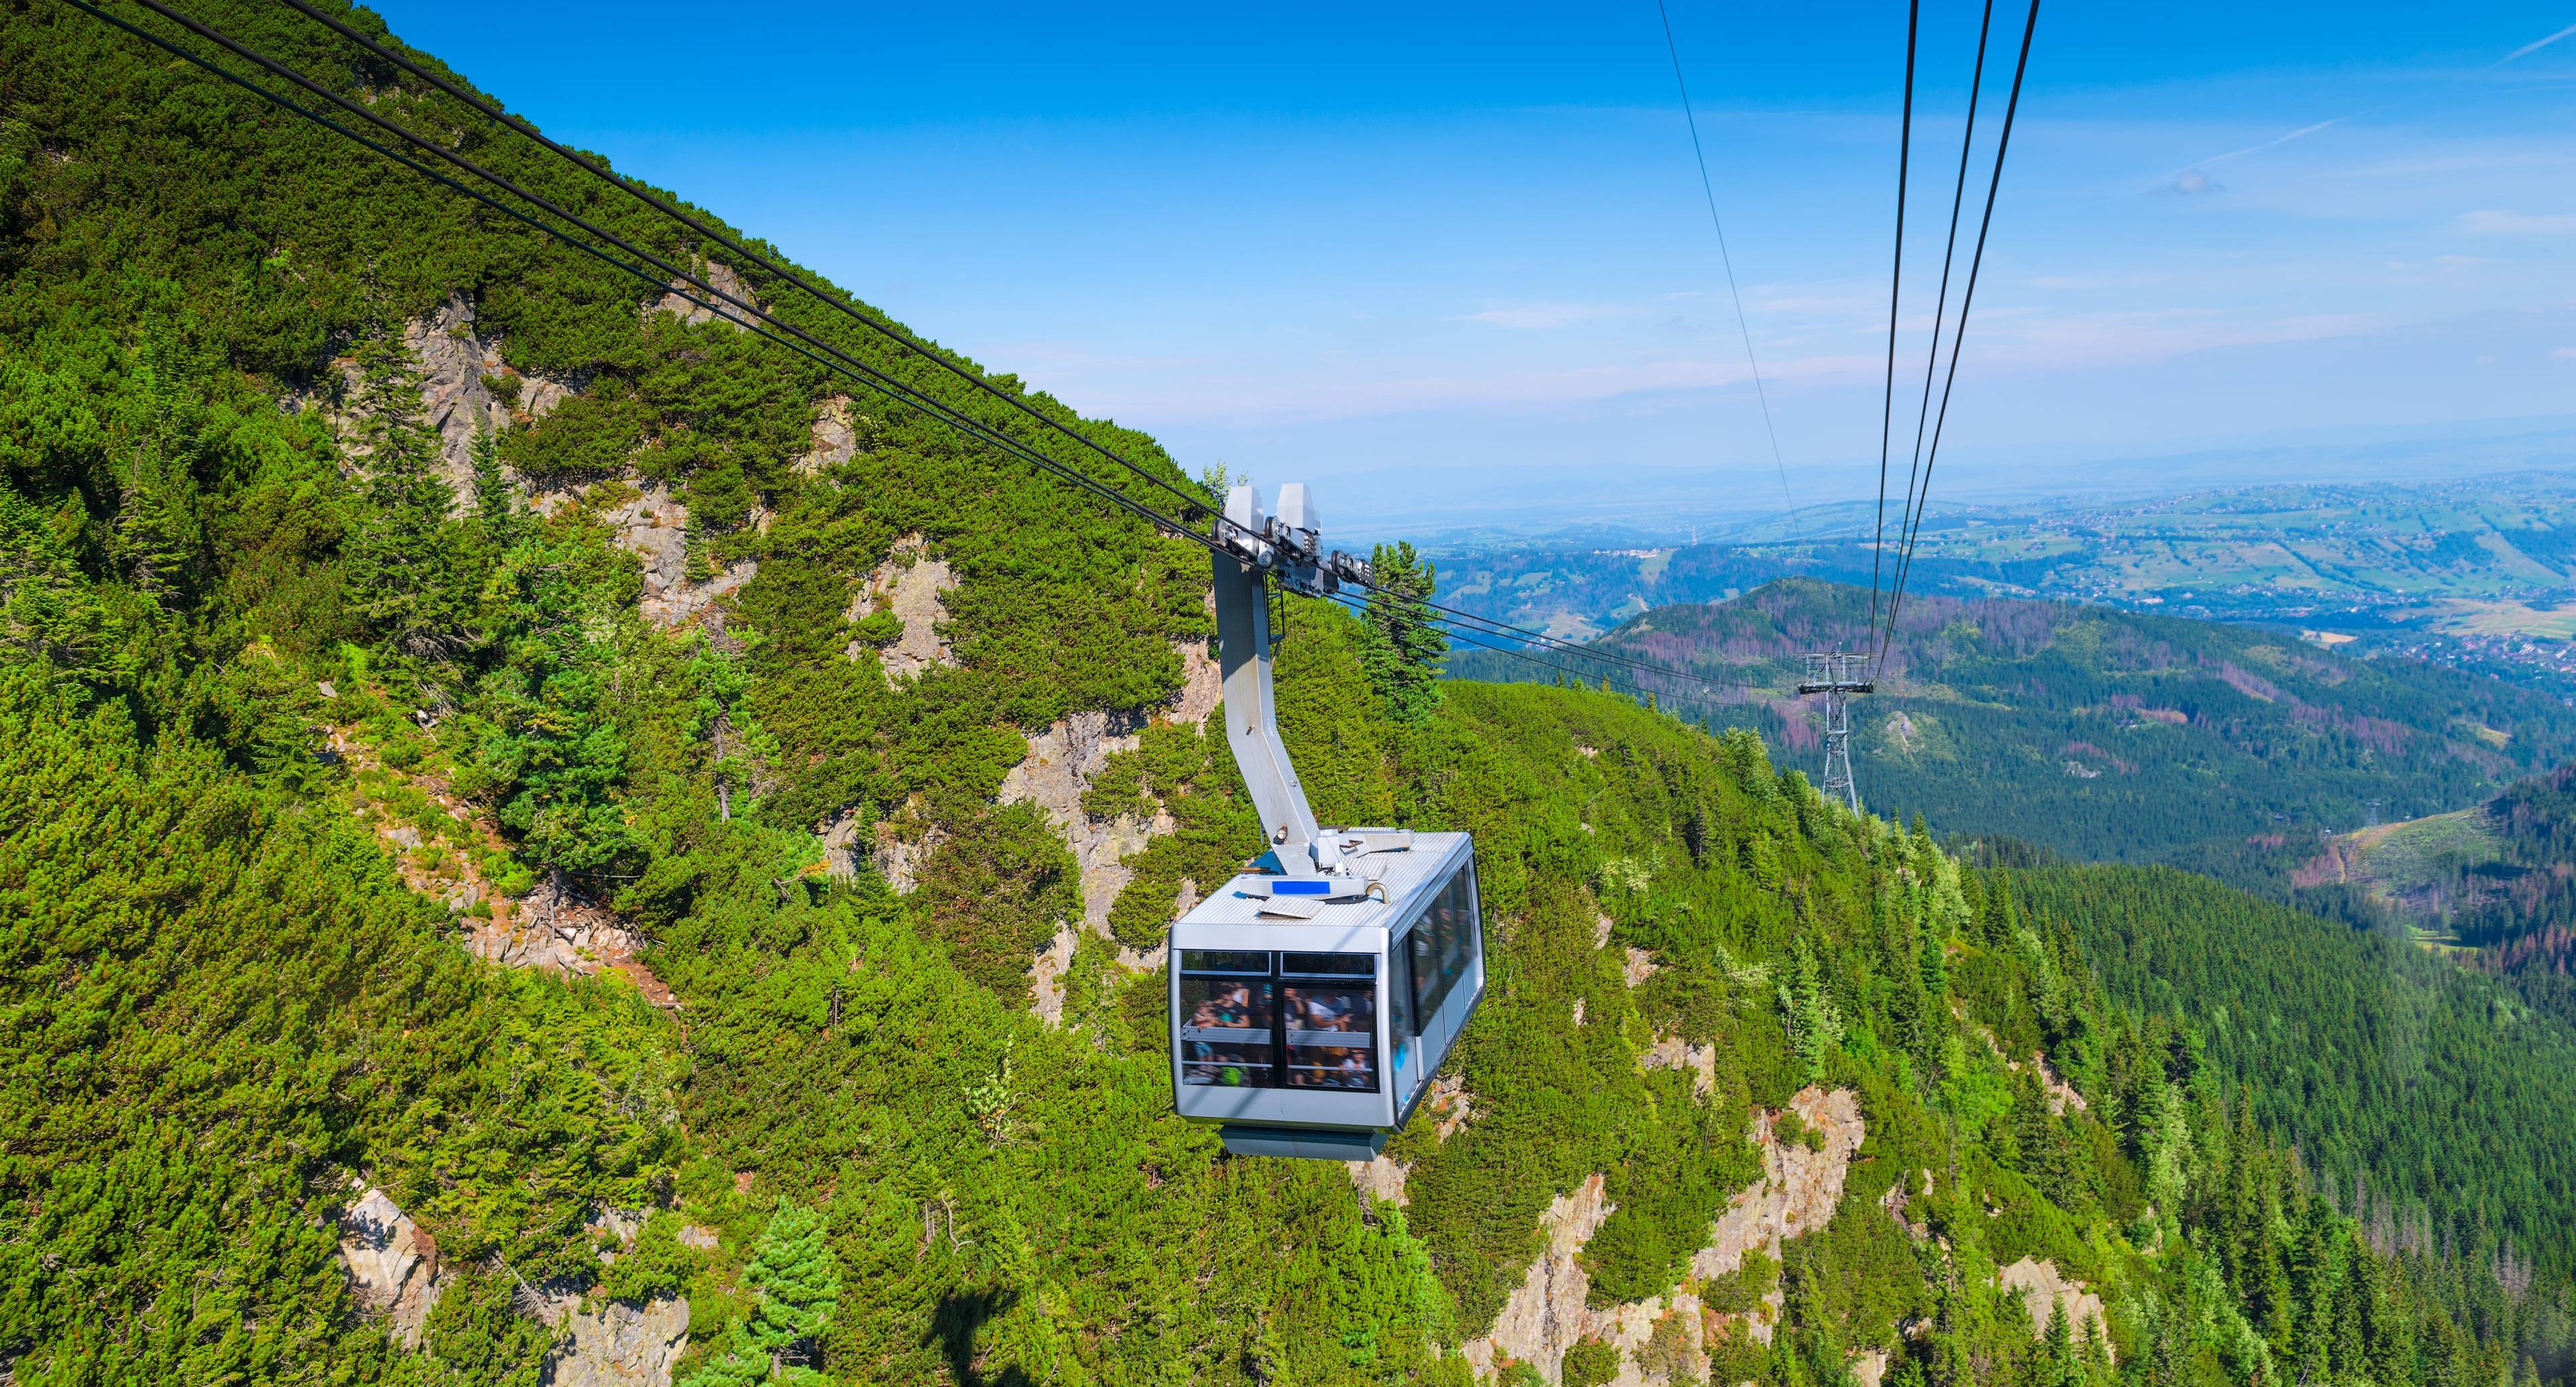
pixel 1315 1036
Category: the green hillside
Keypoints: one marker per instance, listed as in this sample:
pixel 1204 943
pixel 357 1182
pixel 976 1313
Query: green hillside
pixel 2097 732
pixel 2375 1052
pixel 2488 885
pixel 542 840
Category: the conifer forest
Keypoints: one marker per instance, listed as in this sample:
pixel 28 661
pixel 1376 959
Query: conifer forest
pixel 547 836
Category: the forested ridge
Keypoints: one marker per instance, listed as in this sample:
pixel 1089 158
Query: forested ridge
pixel 679 852
pixel 2490 884
pixel 2104 734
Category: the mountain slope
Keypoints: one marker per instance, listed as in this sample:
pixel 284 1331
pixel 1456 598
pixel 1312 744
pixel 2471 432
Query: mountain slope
pixel 2102 733
pixel 538 835
pixel 2488 884
pixel 2377 1054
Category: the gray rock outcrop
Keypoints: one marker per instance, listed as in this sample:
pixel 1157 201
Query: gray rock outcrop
pixel 2043 1289
pixel 836 436
pixel 620 1345
pixel 1799 1189
pixel 681 298
pixel 392 1264
pixel 654 526
pixel 909 583
pixel 455 365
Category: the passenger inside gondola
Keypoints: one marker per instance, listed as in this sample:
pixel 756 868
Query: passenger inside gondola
pixel 1315 1063
pixel 1230 1006
pixel 1227 1041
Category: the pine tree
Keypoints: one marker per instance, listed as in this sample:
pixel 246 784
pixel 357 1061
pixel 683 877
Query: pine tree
pixel 741 1365
pixel 477 1334
pixel 2167 1140
pixel 499 515
pixel 401 555
pixel 555 758
pixel 798 1277
pixel 2059 1365
pixel 735 742
pixel 1807 1010
pixel 1400 644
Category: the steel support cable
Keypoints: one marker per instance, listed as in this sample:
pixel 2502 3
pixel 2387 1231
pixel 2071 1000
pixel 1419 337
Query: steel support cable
pixel 1557 645
pixel 1709 191
pixel 1507 631
pixel 1958 335
pixel 1358 606
pixel 944 413
pixel 881 327
pixel 1504 628
pixel 845 365
pixel 1895 290
pixel 744 309
pixel 1941 301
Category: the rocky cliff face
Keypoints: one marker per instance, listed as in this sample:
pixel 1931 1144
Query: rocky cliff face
pixel 1061 764
pixel 2044 1289
pixel 395 1274
pixel 466 388
pixel 392 1264
pixel 618 1345
pixel 1797 1194
pixel 681 299
pixel 654 526
pixel 909 583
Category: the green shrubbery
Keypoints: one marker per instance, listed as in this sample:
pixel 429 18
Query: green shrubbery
pixel 223 1005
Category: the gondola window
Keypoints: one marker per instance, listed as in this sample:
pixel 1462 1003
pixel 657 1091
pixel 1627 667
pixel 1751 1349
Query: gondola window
pixel 1230 1021
pixel 1442 944
pixel 1331 1021
pixel 1240 1011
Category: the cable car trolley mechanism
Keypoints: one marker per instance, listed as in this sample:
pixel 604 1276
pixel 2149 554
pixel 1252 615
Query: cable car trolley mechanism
pixel 1313 997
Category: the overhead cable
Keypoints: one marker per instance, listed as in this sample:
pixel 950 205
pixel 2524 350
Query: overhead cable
pixel 1895 288
pixel 739 305
pixel 1709 191
pixel 742 305
pixel 1587 652
pixel 837 302
pixel 752 318
pixel 1507 630
pixel 1359 606
pixel 1941 301
pixel 737 309
pixel 1985 222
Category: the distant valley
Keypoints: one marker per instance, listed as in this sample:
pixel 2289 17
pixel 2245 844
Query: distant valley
pixel 2098 732
pixel 2478 573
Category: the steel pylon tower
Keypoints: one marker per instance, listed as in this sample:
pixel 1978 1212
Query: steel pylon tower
pixel 1837 674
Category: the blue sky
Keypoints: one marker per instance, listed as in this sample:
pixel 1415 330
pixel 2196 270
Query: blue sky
pixel 1452 263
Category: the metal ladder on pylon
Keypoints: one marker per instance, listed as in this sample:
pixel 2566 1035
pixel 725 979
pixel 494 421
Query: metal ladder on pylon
pixel 1838 674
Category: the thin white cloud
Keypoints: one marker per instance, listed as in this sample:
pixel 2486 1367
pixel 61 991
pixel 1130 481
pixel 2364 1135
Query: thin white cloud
pixel 1270 400
pixel 2495 221
pixel 2533 47
pixel 2035 341
pixel 2191 183
pixel 2564 354
pixel 2299 134
pixel 2306 130
pixel 1548 316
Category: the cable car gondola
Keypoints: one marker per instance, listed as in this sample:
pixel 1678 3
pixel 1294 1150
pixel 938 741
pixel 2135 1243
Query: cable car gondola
pixel 1313 997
